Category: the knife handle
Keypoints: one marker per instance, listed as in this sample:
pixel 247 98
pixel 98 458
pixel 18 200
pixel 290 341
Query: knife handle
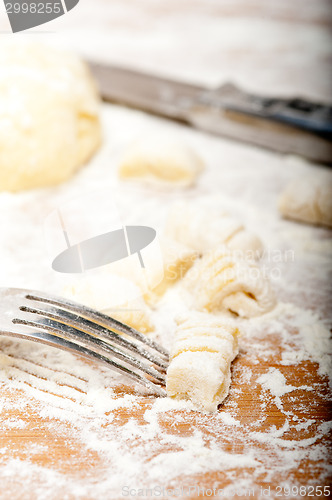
pixel 310 116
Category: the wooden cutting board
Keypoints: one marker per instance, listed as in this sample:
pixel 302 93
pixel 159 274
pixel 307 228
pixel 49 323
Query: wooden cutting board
pixel 59 448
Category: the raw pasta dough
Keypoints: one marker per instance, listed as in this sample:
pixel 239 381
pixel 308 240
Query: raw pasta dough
pixel 177 260
pixel 201 357
pixel 309 198
pixel 160 158
pixel 201 229
pixel 109 294
pixel 220 281
pixel 49 124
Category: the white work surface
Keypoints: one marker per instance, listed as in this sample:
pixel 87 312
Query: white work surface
pixel 67 430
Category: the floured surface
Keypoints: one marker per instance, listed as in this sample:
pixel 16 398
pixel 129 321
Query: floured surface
pixel 69 428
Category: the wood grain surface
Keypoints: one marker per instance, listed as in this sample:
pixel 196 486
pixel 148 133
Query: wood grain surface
pixel 60 450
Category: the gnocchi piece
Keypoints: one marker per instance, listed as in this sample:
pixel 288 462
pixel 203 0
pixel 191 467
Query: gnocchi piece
pixel 201 357
pixel 178 259
pixel 134 314
pixel 112 295
pixel 203 228
pixel 246 244
pixel 163 159
pixel 308 199
pixel 221 282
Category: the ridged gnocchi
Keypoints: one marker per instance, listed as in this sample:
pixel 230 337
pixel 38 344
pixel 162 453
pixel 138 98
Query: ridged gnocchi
pixel 220 281
pixel 201 229
pixel 201 357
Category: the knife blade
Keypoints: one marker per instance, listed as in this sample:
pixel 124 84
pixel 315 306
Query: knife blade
pixel 289 126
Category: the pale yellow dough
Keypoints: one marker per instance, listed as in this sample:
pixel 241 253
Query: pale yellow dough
pixel 309 198
pixel 201 357
pixel 177 260
pixel 49 124
pixel 202 228
pixel 220 281
pixel 160 158
pixel 112 295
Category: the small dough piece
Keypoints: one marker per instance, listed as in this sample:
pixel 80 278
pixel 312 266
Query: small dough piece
pixel 201 357
pixel 154 281
pixel 178 259
pixel 221 282
pixel 202 228
pixel 49 123
pixel 246 244
pixel 133 314
pixel 309 199
pixel 109 294
pixel 160 158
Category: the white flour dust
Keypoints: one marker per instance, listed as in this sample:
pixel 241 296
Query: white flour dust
pixel 128 438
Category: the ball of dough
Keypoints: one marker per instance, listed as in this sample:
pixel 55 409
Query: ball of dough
pixel 49 124
pixel 159 158
pixel 309 198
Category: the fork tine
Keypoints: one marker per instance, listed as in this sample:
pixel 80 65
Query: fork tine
pixel 72 327
pixel 102 319
pixel 80 337
pixel 55 341
pixel 84 325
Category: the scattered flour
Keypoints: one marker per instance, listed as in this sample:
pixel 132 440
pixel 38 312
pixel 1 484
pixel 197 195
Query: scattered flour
pixel 227 419
pixel 275 382
pixel 142 441
pixel 124 437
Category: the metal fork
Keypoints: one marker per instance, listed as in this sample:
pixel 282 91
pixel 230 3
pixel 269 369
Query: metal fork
pixel 62 323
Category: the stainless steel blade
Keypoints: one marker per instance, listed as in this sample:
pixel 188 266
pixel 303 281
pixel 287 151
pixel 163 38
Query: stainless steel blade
pixel 290 126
